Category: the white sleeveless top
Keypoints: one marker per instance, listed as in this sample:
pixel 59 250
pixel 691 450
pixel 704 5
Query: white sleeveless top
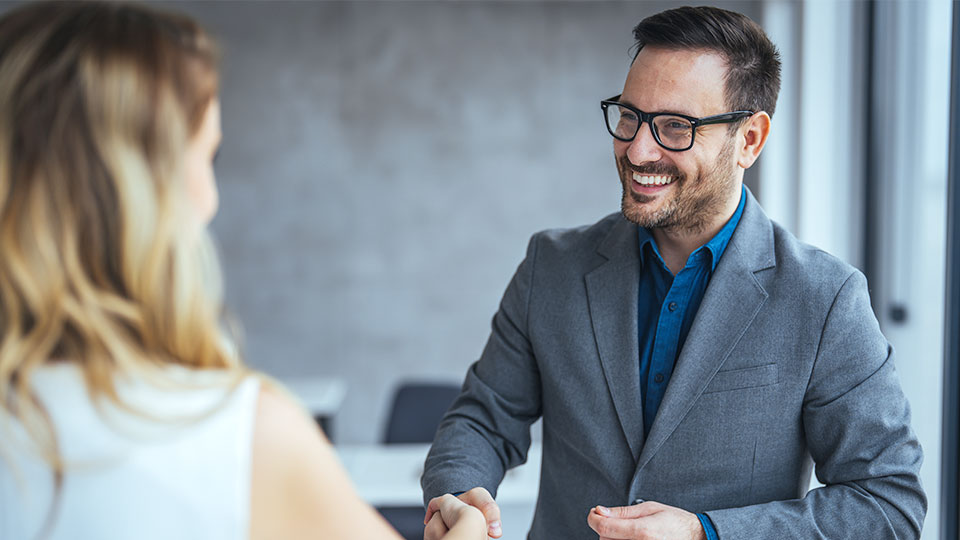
pixel 129 477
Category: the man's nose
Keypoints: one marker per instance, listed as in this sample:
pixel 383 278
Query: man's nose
pixel 644 148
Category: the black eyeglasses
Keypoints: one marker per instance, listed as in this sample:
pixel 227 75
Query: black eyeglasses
pixel 673 131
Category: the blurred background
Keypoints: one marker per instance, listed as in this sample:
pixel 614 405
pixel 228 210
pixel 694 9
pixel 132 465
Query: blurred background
pixel 385 163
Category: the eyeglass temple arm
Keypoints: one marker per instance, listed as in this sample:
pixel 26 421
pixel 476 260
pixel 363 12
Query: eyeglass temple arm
pixel 724 118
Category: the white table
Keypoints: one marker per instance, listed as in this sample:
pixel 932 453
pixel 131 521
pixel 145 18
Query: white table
pixel 389 475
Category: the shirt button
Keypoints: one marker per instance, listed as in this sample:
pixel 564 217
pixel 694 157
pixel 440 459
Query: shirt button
pixel 658 378
pixel 672 306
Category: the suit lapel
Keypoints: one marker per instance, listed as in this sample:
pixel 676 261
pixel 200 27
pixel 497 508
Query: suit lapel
pixel 731 302
pixel 612 290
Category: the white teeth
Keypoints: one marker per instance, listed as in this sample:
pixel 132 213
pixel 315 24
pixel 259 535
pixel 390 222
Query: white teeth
pixel 646 180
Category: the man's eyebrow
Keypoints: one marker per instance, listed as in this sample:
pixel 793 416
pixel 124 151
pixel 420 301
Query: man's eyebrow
pixel 668 111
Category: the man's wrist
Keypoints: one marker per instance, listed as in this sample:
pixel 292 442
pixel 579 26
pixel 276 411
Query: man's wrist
pixel 710 533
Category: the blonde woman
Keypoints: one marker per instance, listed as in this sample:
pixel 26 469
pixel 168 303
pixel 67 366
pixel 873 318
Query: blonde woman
pixel 124 410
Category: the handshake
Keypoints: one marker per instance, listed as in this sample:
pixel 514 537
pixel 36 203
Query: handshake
pixel 644 520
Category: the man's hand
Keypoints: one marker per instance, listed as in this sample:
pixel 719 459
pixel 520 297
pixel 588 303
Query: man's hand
pixel 477 497
pixel 645 521
pixel 450 512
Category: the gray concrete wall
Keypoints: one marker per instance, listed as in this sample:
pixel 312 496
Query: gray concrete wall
pixel 384 164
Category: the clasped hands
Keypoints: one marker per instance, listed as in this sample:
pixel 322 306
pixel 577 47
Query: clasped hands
pixel 645 521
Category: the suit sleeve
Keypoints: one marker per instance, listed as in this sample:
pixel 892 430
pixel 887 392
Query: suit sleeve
pixel 857 425
pixel 487 429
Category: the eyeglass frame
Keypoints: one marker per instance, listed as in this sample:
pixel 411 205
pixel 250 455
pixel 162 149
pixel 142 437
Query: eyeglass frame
pixel 645 117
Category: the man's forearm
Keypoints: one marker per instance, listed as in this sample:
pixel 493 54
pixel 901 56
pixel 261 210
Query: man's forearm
pixel 469 451
pixel 837 511
pixel 460 460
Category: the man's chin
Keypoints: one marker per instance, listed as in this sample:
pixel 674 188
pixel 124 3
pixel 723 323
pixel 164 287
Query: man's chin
pixel 632 211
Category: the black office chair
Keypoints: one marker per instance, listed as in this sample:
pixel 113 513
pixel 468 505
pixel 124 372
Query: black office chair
pixel 414 417
pixel 417 410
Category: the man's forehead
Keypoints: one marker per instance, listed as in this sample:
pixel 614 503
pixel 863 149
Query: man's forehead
pixel 681 55
pixel 688 81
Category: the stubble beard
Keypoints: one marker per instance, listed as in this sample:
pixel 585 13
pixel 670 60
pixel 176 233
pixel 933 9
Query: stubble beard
pixel 694 203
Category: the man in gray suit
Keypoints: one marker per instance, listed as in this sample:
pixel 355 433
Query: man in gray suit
pixel 688 352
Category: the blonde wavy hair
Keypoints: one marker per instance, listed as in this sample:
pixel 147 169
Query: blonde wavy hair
pixel 100 265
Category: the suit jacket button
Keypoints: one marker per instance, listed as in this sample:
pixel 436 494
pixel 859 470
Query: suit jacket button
pixel 638 501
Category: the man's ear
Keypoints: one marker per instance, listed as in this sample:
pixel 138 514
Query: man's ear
pixel 752 136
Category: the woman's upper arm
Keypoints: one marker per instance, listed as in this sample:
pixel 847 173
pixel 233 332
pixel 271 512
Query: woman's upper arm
pixel 298 487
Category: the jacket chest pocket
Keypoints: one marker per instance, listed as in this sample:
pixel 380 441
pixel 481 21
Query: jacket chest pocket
pixel 737 379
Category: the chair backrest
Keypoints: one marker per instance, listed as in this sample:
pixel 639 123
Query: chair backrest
pixel 417 410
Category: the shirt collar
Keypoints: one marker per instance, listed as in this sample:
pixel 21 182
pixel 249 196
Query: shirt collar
pixel 714 247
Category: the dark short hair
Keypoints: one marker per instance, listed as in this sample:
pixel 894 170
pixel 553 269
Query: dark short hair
pixel 753 63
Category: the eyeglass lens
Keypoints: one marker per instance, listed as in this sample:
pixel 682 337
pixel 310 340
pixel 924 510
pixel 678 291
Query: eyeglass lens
pixel 673 132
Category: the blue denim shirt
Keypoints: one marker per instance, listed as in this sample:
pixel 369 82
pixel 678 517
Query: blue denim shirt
pixel 666 308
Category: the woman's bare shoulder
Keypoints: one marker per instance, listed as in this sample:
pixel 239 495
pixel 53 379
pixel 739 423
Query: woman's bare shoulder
pixel 299 488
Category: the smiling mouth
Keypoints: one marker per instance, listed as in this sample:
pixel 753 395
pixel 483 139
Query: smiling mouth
pixel 653 180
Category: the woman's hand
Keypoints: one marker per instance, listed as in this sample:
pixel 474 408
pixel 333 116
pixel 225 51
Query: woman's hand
pixel 449 512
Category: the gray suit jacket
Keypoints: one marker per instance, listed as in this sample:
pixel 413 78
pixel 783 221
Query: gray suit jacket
pixel 784 370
